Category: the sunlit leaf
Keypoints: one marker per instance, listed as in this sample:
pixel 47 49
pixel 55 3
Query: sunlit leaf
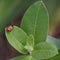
pixel 23 58
pixel 44 50
pixel 35 21
pixel 17 38
pixel 30 43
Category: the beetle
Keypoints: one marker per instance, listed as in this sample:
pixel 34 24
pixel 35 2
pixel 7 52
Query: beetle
pixel 9 28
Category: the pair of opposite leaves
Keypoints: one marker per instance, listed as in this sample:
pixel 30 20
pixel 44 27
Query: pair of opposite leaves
pixel 32 34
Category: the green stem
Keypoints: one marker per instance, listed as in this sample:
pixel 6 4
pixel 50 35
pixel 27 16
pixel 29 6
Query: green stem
pixel 30 57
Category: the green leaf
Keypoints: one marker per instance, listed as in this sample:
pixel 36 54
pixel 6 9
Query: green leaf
pixel 17 38
pixel 23 58
pixel 57 57
pixel 30 43
pixel 35 21
pixel 56 42
pixel 44 50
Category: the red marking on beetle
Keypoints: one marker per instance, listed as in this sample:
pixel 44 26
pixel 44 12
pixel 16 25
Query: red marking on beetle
pixel 9 28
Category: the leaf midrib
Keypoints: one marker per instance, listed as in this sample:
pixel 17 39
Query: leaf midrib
pixel 36 20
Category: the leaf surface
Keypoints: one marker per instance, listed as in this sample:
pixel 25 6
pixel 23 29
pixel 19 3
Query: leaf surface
pixel 44 50
pixel 35 21
pixel 17 38
pixel 23 58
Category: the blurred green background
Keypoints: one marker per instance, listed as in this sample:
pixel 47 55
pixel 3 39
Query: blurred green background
pixel 53 7
pixel 11 9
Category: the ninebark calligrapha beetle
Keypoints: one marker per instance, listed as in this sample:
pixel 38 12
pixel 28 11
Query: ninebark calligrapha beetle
pixel 9 28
